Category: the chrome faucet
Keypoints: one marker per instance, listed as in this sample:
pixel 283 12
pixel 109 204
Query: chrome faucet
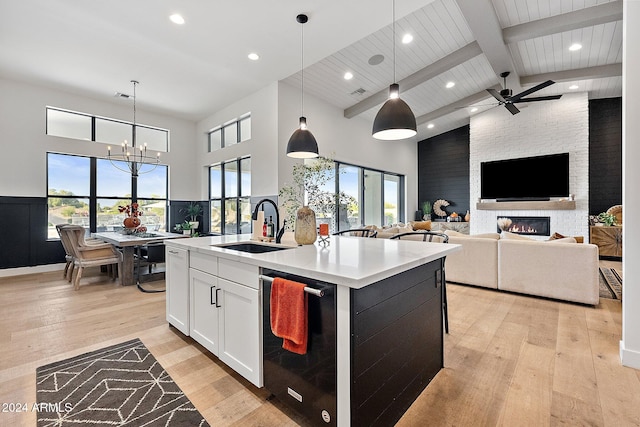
pixel 254 216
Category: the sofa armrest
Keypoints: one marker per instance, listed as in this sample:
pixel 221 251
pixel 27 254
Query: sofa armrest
pixel 476 264
pixel 566 271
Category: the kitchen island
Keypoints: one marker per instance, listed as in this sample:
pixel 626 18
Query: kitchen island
pixel 377 340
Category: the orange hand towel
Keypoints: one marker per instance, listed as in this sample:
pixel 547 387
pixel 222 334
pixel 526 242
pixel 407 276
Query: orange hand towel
pixel 289 314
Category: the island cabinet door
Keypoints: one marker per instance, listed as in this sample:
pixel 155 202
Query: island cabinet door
pixel 239 329
pixel 177 284
pixel 204 312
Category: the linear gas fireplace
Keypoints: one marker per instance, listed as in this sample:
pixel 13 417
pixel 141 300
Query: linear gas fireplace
pixel 527 225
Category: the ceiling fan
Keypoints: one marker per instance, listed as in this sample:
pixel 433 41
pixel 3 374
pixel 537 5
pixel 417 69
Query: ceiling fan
pixel 505 98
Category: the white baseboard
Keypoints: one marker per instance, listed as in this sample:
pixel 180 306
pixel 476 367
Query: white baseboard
pixel 630 358
pixel 20 271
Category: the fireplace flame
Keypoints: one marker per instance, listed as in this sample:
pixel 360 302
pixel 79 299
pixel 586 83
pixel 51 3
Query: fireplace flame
pixel 515 228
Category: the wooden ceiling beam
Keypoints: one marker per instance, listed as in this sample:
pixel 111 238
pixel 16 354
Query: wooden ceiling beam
pixel 597 72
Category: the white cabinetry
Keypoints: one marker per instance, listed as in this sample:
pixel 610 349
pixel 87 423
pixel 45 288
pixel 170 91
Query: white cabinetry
pixel 177 284
pixel 226 311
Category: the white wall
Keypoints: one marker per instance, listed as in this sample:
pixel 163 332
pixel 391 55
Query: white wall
pixel 630 343
pixel 542 128
pixel 24 143
pixel 345 140
pixel 263 146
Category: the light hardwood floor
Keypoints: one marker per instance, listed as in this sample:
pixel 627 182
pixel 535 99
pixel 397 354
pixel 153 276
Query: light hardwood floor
pixel 510 360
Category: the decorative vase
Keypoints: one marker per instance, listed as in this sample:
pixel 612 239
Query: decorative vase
pixel 305 232
pixel 467 217
pixel 131 222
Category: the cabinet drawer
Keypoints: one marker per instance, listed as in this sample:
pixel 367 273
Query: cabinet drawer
pixel 238 272
pixel 206 263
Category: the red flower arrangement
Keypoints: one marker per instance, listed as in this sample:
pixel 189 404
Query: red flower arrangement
pixel 132 211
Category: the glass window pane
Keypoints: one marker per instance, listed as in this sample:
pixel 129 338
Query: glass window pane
pixel 245 216
pixel 230 134
pixel 231 179
pixel 111 132
pixel 111 180
pixel 349 213
pixel 215 178
pixel 391 199
pixel 156 139
pixel 372 197
pixel 68 125
pixel 68 175
pixel 109 218
pixel 230 216
pixel 63 210
pixel 245 177
pixel 215 140
pixel 245 129
pixel 216 216
pixel 153 214
pixel 153 184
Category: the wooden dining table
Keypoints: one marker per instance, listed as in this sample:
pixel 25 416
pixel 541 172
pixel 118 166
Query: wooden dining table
pixel 128 243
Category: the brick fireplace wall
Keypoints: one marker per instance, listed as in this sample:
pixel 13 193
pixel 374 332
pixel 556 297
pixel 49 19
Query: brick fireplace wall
pixel 541 128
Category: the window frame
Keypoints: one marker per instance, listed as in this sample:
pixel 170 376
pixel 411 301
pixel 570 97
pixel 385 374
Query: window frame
pixel 221 129
pixel 238 198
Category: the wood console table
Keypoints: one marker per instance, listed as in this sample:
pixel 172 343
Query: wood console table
pixel 607 238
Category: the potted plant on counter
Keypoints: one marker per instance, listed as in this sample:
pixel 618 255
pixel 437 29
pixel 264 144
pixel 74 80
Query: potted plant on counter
pixel 193 210
pixel 426 211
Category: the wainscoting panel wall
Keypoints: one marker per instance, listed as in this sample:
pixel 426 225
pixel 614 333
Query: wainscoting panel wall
pixel 443 170
pixel 605 154
pixel 24 238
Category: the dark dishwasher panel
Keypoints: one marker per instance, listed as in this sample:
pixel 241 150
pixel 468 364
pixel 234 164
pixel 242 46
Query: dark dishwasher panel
pixel 306 383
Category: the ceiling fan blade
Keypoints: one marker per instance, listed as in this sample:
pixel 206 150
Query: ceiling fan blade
pixel 496 94
pixel 531 90
pixel 539 98
pixel 512 108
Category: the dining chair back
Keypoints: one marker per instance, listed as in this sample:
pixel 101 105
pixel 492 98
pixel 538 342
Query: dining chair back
pixel 358 232
pixel 432 236
pixel 68 251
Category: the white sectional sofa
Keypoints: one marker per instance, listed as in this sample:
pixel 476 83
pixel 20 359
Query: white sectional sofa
pixel 559 269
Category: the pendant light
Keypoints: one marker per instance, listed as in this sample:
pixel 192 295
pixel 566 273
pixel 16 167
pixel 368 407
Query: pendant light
pixel 302 144
pixel 395 120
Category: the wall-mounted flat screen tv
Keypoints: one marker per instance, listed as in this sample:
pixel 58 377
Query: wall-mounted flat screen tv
pixel 528 178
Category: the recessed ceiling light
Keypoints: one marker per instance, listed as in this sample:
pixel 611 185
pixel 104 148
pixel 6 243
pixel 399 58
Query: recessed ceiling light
pixel 575 46
pixel 176 18
pixel 407 38
pixel 573 87
pixel 253 56
pixel 474 109
pixel 348 76
pixel 449 85
pixel 430 126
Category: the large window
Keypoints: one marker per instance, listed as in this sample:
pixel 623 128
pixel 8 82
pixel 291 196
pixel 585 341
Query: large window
pixel 87 191
pixel 229 192
pixel 231 133
pixel 70 124
pixel 373 197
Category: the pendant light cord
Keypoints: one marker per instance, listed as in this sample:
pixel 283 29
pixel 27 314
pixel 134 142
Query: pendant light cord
pixel 393 38
pixel 133 141
pixel 302 70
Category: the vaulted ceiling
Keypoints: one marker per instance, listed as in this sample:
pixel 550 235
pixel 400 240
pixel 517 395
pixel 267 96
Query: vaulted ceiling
pixel 95 48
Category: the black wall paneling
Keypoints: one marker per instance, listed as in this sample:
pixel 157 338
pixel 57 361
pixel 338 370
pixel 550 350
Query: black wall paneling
pixel 177 215
pixel 605 154
pixel 443 170
pixel 24 238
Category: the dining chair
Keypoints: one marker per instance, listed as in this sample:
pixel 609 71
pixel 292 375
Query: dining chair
pixel 432 236
pixel 358 232
pixel 91 255
pixel 68 251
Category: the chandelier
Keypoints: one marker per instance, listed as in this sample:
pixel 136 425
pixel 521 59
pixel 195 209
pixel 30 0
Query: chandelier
pixel 134 156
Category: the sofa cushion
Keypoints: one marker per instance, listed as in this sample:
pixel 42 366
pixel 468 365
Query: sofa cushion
pixel 453 233
pixel 513 236
pixel 562 240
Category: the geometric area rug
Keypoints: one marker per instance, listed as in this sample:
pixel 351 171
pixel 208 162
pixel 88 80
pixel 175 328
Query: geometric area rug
pixel 610 283
pixel 120 385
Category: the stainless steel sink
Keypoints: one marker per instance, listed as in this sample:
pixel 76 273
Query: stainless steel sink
pixel 252 248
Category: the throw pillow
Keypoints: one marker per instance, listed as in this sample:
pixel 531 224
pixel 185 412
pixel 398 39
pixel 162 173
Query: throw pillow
pixel 513 236
pixel 405 229
pixel 555 236
pixel 422 225
pixel 562 240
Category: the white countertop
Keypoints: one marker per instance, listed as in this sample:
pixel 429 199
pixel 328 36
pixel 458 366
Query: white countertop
pixel 349 261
